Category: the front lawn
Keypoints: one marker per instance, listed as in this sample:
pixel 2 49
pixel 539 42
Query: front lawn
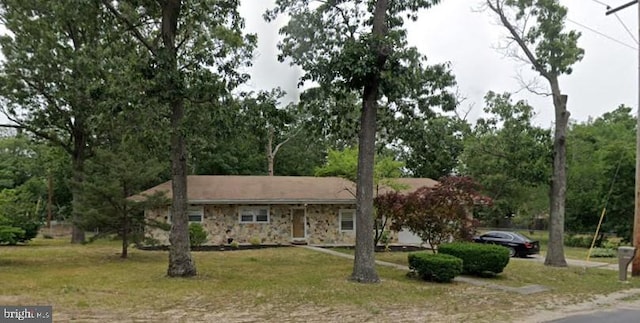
pixel 569 252
pixel 575 281
pixel 91 283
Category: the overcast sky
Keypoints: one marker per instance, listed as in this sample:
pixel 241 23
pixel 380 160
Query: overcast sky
pixel 454 32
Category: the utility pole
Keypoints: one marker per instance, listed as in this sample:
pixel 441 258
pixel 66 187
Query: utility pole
pixel 635 267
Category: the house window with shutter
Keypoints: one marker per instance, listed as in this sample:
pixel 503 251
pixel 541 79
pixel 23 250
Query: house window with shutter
pixel 253 214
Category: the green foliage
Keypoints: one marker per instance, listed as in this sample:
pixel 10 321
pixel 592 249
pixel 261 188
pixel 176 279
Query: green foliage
pixel 158 224
pixel 431 148
pixel 439 213
pixel 510 158
pixel 255 241
pixel 10 235
pixel 603 253
pixel 21 208
pixel 197 234
pixel 360 48
pixel 585 241
pixel 601 172
pixel 556 51
pixel 342 56
pixel 440 268
pixel 537 28
pixel 150 241
pixel 478 259
pixel 344 163
pixel 385 238
pixel 113 174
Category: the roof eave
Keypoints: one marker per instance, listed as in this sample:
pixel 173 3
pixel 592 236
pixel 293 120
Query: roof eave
pixel 274 201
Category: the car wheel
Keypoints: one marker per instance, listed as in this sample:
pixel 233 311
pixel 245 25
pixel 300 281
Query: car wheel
pixel 512 251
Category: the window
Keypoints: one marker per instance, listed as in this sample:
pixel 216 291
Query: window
pixel 347 220
pixel 254 214
pixel 195 213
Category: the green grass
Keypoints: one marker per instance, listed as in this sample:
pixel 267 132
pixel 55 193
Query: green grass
pixel 569 252
pixel 91 283
pixel 522 272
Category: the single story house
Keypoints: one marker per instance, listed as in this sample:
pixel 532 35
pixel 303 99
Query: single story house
pixel 272 209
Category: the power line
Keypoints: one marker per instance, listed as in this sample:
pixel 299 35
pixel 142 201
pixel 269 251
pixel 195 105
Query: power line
pixel 602 3
pixel 626 28
pixel 601 34
pixel 619 20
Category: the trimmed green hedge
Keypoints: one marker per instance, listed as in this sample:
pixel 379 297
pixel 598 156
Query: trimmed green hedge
pixel 197 234
pixel 603 253
pixel 478 259
pixel 440 268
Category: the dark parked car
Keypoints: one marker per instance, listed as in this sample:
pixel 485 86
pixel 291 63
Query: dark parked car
pixel 518 244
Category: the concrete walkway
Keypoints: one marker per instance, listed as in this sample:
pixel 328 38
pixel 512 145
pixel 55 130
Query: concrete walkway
pixel 525 290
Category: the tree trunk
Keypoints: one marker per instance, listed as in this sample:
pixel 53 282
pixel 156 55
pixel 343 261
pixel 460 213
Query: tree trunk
pixel 270 155
pixel 77 169
pixel 125 224
pixel 555 253
pixel 180 262
pixel 364 269
pixel 125 233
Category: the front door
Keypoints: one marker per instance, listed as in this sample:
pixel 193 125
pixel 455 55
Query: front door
pixel 298 220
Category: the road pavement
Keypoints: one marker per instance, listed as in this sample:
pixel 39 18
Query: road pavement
pixel 622 315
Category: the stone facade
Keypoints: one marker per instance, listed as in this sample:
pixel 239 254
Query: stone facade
pixel 223 221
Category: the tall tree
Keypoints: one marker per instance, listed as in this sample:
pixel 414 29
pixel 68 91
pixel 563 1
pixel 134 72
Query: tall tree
pixel 117 172
pixel 264 114
pixel 53 76
pixel 201 47
pixel 536 27
pixel 360 47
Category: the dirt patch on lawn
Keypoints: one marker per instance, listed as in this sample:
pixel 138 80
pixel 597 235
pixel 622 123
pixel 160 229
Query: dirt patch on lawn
pixel 266 313
pixel 480 307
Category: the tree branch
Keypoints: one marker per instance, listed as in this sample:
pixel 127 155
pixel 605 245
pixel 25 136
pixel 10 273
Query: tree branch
pixel 345 17
pixel 275 151
pixel 14 126
pixel 497 8
pixel 531 86
pixel 47 136
pixel 132 27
